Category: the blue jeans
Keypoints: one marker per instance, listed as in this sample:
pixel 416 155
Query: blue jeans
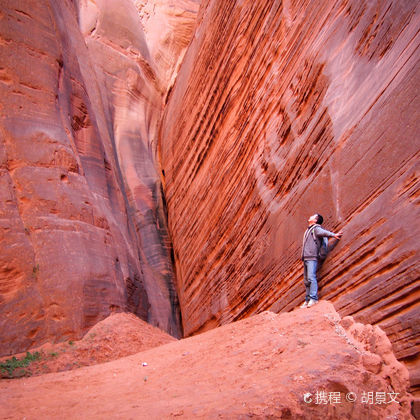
pixel 309 278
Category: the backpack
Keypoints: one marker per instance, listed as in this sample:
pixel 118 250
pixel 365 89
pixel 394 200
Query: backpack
pixel 323 249
pixel 322 245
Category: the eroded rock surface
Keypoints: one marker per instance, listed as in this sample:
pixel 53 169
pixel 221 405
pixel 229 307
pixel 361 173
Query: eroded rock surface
pixel 281 110
pixel 82 227
pixel 261 367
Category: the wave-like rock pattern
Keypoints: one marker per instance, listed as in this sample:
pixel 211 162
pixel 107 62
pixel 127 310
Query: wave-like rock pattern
pixel 82 225
pixel 280 110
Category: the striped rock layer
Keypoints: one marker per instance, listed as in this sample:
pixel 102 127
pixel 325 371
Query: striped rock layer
pixel 282 109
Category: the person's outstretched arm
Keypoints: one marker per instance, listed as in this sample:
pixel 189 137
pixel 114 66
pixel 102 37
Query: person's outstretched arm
pixel 323 232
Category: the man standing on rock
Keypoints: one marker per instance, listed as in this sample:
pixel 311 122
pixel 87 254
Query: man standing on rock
pixel 311 248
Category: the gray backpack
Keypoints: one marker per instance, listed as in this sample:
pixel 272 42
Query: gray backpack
pixel 322 245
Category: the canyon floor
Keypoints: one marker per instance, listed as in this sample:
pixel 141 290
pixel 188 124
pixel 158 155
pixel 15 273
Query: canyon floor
pixel 260 367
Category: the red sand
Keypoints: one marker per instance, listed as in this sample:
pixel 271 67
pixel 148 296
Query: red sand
pixel 117 336
pixel 260 367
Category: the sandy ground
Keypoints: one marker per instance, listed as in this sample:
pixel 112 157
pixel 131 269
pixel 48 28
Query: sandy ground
pixel 119 335
pixel 260 367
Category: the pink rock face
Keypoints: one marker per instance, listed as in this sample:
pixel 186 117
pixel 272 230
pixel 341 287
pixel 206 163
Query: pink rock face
pixel 82 226
pixel 281 110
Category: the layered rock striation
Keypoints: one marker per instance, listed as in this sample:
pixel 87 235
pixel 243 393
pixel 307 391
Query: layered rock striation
pixel 82 224
pixel 281 110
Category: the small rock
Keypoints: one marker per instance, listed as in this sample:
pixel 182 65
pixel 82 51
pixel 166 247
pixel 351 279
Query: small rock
pixel 347 322
pixel 372 362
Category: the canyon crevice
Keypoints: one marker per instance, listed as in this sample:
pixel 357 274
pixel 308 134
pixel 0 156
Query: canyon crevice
pixel 161 157
pixel 83 226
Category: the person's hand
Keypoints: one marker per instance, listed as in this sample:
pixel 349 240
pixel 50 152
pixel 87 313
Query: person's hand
pixel 339 235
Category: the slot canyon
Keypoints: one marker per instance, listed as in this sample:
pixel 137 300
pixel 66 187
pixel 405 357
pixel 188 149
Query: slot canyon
pixel 160 158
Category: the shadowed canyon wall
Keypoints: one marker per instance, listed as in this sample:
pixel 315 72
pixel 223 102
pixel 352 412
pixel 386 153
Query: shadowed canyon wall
pixel 286 108
pixel 82 224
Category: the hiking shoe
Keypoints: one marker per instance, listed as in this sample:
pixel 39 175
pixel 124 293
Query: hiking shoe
pixel 304 304
pixel 312 303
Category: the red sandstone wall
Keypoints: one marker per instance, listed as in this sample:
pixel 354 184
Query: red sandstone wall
pixel 282 109
pixel 82 227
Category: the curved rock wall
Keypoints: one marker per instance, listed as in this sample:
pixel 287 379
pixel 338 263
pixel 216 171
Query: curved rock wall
pixel 82 226
pixel 282 109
